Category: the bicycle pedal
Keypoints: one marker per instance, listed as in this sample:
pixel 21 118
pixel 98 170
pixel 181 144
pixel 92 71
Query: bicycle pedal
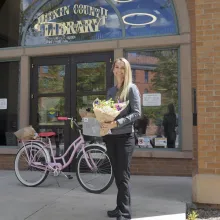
pixel 69 177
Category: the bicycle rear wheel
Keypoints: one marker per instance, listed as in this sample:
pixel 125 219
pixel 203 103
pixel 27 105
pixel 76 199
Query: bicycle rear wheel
pixel 30 165
pixel 100 177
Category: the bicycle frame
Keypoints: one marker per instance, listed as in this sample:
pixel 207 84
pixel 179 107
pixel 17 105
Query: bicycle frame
pixel 77 145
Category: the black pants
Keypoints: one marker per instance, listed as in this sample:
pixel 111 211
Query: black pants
pixel 120 149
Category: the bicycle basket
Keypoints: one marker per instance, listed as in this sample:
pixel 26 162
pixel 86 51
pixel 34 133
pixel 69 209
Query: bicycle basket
pixel 91 127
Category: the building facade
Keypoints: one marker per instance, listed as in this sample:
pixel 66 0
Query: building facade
pixel 56 58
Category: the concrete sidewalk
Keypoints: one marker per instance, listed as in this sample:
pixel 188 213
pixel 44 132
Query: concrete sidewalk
pixel 153 198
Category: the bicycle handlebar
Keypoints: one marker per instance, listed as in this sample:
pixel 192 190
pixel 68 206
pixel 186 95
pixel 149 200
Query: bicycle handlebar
pixel 63 118
pixel 73 120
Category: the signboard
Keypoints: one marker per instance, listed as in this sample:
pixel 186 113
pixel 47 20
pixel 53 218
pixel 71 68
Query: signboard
pixel 152 99
pixel 50 28
pixel 144 141
pixel 3 104
pixel 141 141
pixel 161 142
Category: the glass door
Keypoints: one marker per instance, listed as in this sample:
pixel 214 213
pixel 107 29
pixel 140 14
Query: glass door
pixel 90 79
pixel 63 85
pixel 9 81
pixel 49 98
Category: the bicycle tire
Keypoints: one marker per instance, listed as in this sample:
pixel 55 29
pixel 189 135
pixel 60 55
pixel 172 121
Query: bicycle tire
pixel 17 173
pixel 111 179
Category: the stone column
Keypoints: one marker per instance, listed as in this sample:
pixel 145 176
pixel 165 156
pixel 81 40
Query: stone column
pixel 24 88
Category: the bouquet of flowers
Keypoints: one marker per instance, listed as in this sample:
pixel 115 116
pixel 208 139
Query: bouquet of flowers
pixel 84 113
pixel 107 111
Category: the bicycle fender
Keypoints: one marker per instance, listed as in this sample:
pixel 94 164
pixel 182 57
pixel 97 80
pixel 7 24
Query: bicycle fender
pixel 92 145
pixel 47 153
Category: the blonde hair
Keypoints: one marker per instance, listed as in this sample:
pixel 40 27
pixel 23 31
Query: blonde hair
pixel 127 79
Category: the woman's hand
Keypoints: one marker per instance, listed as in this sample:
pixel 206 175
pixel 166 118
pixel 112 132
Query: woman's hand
pixel 109 125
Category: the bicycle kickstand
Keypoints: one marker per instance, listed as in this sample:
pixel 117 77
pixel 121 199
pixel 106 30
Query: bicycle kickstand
pixel 67 176
pixel 56 181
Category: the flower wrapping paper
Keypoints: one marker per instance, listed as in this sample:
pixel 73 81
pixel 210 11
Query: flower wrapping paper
pixel 107 111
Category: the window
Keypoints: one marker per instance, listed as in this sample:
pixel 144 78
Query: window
pixel 148 18
pixel 70 21
pixel 146 76
pixel 158 127
pixel 133 75
pixel 45 69
pixel 67 21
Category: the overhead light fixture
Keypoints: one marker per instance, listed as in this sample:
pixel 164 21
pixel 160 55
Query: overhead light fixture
pixel 121 1
pixel 154 18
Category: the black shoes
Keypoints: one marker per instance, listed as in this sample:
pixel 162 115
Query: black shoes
pixel 114 213
pixel 122 218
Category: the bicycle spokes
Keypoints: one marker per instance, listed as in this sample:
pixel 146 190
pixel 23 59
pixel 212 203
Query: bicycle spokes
pixel 31 165
pixel 94 169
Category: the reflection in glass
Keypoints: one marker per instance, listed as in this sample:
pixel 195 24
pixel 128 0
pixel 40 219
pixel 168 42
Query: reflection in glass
pixel 27 4
pixel 139 18
pixel 51 79
pixel 156 73
pixel 91 76
pixel 49 108
pixel 56 142
pixel 157 17
pixel 86 102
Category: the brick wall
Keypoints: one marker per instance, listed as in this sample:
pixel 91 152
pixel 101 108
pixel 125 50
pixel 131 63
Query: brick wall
pixel 140 81
pixel 7 162
pixel 207 14
pixel 161 167
pixel 140 166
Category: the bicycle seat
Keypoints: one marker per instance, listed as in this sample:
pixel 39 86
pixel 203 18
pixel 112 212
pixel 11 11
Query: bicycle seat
pixel 47 134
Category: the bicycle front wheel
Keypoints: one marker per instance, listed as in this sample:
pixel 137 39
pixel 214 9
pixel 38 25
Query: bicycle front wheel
pixel 94 170
pixel 30 165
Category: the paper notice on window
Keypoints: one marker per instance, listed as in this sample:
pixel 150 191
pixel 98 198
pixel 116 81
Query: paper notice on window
pixel 152 99
pixel 161 142
pixel 3 104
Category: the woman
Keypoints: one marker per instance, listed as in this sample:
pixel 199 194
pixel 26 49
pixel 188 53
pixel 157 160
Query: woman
pixel 120 143
pixel 169 124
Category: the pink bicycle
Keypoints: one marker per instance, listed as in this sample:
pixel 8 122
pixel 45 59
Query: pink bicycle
pixel 35 160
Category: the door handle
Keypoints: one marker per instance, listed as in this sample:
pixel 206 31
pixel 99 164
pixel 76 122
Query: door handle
pixel 13 124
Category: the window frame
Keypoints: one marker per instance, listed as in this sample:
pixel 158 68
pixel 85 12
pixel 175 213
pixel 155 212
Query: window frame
pixel 177 48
